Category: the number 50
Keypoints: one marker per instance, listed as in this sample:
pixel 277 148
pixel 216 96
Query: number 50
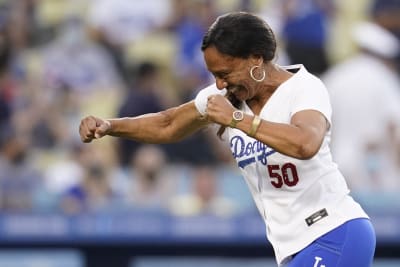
pixel 287 174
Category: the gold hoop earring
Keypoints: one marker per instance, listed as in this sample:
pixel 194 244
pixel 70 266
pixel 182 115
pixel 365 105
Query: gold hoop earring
pixel 252 75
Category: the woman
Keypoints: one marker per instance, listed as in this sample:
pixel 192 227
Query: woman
pixel 278 123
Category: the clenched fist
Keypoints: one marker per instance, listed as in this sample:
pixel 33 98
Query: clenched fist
pixel 219 109
pixel 93 128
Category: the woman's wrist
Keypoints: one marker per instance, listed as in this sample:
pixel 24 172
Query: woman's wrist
pixel 255 124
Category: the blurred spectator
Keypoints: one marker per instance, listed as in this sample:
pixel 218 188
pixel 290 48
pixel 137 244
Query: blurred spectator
pixel 147 183
pixel 5 110
pixel 56 119
pixel 123 21
pixel 6 83
pixel 21 24
pixel 118 23
pixel 72 59
pixel 47 118
pixel 305 32
pixel 387 13
pixel 365 93
pixel 189 28
pixel 204 196
pixel 93 194
pixel 19 180
pixel 67 170
pixel 143 96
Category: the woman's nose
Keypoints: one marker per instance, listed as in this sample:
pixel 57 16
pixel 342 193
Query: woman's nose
pixel 221 83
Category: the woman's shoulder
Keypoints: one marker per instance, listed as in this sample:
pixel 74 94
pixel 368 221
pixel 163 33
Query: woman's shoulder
pixel 203 94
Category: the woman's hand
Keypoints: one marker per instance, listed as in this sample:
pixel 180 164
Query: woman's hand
pixel 219 110
pixel 93 128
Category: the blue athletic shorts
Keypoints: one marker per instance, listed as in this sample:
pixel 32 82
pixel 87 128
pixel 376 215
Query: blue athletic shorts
pixel 350 245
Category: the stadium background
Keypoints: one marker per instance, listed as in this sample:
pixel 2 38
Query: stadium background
pixel 119 203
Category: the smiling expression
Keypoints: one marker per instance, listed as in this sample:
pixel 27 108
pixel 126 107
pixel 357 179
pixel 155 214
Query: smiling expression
pixel 231 73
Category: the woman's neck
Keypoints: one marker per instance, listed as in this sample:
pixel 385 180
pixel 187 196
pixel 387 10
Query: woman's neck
pixel 275 76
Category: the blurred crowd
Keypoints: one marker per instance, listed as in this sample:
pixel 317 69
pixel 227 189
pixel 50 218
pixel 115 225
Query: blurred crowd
pixel 61 60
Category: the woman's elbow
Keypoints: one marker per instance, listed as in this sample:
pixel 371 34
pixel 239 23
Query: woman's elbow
pixel 306 150
pixel 304 153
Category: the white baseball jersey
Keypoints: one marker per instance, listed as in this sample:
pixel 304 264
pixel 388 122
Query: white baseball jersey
pixel 299 200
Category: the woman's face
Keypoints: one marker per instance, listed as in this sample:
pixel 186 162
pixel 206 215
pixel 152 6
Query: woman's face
pixel 231 73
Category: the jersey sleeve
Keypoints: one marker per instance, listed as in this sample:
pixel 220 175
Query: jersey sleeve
pixel 200 100
pixel 313 96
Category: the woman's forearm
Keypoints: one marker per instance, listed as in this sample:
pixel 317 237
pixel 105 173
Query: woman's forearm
pixel 166 126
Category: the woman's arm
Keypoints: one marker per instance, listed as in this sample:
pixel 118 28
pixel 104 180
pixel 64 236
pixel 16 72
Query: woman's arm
pixel 166 126
pixel 301 139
